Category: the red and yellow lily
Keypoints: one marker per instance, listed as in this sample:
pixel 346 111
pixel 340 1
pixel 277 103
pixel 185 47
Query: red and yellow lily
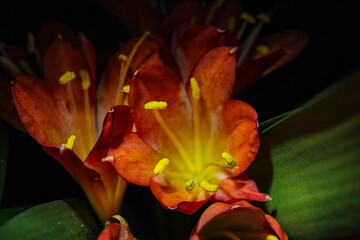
pixel 239 220
pixel 62 113
pixel 192 143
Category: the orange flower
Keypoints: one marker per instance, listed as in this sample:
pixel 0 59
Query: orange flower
pixel 239 220
pixel 192 143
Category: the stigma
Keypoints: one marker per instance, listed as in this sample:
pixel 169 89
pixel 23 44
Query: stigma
pixel 155 105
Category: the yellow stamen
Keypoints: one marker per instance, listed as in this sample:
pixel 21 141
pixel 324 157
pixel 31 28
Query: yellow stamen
pixel 262 49
pixel 263 17
pixel 126 89
pixel 31 42
pixel 85 80
pixel 155 105
pixel 159 168
pixel 86 83
pixel 247 17
pixel 268 198
pixel 231 23
pixel 70 142
pixel 271 237
pixel 195 90
pixel 125 68
pixel 190 185
pixel 209 187
pixel 66 77
pixel 228 159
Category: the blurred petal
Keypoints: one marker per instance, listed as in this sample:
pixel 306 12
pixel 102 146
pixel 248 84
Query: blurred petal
pixel 156 83
pixel 197 41
pixel 249 72
pixel 116 231
pixel 183 10
pixel 239 188
pixel 215 74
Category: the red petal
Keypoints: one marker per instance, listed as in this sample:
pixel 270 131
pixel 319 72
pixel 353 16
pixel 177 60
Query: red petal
pixel 42 111
pixel 137 15
pixel 220 217
pixel 115 231
pixel 275 226
pixel 156 83
pixel 49 32
pixel 293 42
pixel 197 41
pixel 116 123
pixel 176 197
pixel 215 74
pixel 7 107
pixel 134 159
pixel 147 54
pixel 249 72
pixel 239 188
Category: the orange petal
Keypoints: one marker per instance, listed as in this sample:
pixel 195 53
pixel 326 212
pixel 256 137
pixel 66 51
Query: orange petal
pixel 42 111
pixel 174 196
pixel 197 41
pixel 117 122
pixel 147 54
pixel 116 231
pixel 292 41
pixel 222 218
pixel 239 188
pixel 156 83
pixel 215 74
pixel 134 159
pixel 49 32
pixel 249 72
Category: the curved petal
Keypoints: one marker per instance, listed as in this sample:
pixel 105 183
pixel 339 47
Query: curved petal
pixel 239 188
pixel 116 122
pixel 239 220
pixel 292 41
pixel 174 196
pixel 147 54
pixel 156 83
pixel 134 159
pixel 197 41
pixel 49 32
pixel 42 111
pixel 250 71
pixel 215 74
pixel 116 231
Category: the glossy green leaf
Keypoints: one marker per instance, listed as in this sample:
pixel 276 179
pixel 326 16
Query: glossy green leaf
pixel 309 163
pixel 8 213
pixel 4 151
pixel 63 219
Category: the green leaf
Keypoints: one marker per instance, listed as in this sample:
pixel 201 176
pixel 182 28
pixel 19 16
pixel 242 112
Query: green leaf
pixel 4 151
pixel 7 214
pixel 309 163
pixel 62 219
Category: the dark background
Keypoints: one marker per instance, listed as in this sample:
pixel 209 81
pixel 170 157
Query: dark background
pixel 34 178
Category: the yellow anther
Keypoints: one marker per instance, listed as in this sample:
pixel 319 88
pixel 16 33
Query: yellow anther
pixel 155 105
pixel 268 198
pixel 262 49
pixel 263 17
pixel 271 237
pixel 209 187
pixel 190 184
pixel 31 42
pixel 228 159
pixel 195 90
pixel 219 3
pixel 231 23
pixel 192 21
pixel 123 57
pixel 126 89
pixel 70 142
pixel 66 77
pixel 85 80
pixel 247 17
pixel 159 168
